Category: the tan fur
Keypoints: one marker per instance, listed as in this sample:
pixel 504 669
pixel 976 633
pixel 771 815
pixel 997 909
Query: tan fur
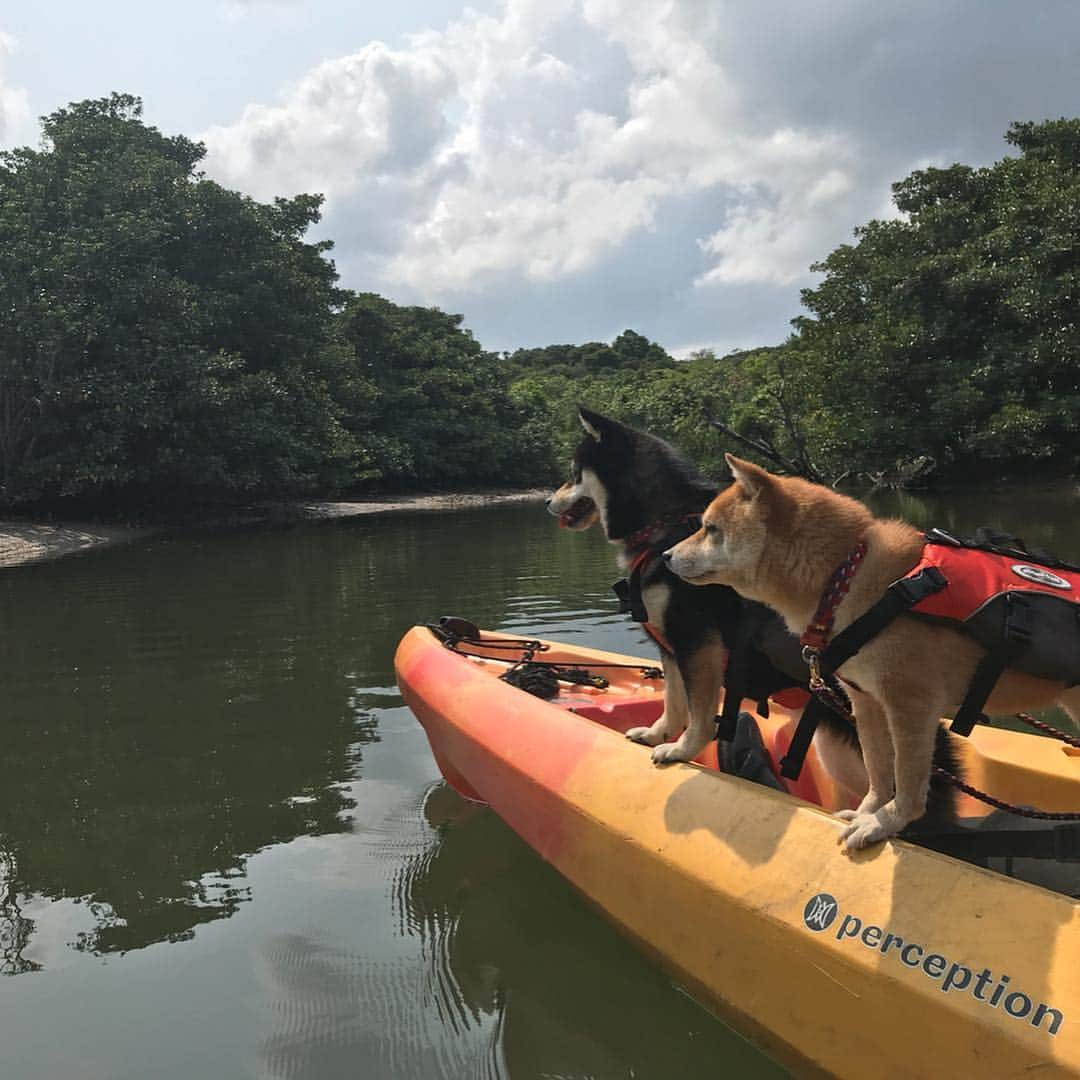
pixel 778 540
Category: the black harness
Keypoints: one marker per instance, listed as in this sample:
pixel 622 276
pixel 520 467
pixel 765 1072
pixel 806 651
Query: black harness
pixel 741 650
pixel 1003 649
pixel 628 589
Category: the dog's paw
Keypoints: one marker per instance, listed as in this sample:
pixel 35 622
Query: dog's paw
pixel 863 830
pixel 669 753
pixel 645 735
pixel 846 815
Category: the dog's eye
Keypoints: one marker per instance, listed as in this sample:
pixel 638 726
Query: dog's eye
pixel 710 529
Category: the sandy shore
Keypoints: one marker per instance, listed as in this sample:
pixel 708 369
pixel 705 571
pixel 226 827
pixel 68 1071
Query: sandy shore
pixel 28 542
pixel 393 503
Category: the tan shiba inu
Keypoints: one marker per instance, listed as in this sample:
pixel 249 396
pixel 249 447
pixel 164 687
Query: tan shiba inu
pixel 778 540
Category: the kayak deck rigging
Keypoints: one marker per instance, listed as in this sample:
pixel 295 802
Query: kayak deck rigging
pixel 994 840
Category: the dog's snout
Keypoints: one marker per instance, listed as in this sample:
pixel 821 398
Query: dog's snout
pixel 547 502
pixel 666 556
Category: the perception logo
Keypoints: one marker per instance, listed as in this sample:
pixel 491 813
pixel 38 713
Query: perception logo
pixel 985 986
pixel 819 912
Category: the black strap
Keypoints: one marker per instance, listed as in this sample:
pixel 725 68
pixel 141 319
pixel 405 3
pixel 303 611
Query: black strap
pixel 1000 543
pixel 1061 843
pixel 980 688
pixel 621 588
pixel 901 596
pixel 1015 638
pixel 628 589
pixel 736 678
pixel 792 762
pixel 737 674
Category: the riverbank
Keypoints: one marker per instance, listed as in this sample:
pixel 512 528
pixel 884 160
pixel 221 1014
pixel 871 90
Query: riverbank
pixel 24 542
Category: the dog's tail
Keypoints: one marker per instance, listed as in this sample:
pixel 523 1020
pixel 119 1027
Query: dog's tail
pixel 942 802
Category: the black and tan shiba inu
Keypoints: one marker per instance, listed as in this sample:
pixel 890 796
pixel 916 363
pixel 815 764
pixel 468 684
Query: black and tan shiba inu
pixel 646 497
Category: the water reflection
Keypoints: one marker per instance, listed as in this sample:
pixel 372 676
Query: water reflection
pixel 507 938
pixel 1043 515
pixel 192 724
pixel 15 928
pixel 173 708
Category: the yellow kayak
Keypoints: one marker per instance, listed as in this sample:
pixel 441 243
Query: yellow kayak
pixel 895 962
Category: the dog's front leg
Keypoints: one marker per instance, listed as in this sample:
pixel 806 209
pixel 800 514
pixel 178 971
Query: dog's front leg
pixel 702 675
pixel 676 714
pixel 877 753
pixel 913 731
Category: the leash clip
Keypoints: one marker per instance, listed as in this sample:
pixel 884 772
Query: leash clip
pixel 812 659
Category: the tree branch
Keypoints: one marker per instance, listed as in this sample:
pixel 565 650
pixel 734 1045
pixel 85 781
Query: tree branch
pixel 767 451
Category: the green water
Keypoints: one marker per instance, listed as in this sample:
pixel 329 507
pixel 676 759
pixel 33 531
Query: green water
pixel 225 850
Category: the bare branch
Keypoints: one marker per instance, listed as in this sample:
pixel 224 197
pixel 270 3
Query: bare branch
pixel 762 447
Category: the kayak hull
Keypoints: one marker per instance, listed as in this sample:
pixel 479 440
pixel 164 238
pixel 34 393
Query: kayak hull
pixel 884 963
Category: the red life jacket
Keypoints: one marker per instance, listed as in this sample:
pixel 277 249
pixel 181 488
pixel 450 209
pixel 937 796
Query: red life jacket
pixel 1013 598
pixel 976 576
pixel 1021 606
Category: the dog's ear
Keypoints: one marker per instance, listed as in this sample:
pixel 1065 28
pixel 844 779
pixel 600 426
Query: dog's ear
pixel 753 479
pixel 593 423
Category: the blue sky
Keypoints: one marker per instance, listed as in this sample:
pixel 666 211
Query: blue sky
pixel 559 170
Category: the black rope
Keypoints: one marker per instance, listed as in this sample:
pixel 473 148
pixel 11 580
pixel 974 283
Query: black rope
pixel 647 671
pixel 536 679
pixel 1000 804
pixel 1047 729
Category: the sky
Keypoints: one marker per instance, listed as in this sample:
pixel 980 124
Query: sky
pixel 562 170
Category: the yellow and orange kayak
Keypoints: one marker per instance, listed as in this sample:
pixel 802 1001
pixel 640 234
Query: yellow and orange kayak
pixel 897 961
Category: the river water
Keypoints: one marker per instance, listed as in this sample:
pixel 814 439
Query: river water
pixel 225 850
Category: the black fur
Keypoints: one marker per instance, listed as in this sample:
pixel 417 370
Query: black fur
pixel 648 483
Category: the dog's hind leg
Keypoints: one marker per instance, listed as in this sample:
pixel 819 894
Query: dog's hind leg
pixel 676 715
pixel 842 760
pixel 703 676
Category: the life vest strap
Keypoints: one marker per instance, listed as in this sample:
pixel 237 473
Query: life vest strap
pixel 792 762
pixel 1016 636
pixel 737 673
pixel 901 596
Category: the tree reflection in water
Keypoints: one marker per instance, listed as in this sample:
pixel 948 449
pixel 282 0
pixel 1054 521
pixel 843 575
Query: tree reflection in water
pixel 15 928
pixel 505 935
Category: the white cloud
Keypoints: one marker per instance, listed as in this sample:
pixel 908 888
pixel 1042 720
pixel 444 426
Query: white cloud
pixel 16 122
pixel 372 113
pixel 536 142
pixel 567 168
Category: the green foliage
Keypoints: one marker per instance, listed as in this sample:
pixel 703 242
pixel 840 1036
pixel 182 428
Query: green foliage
pixel 163 333
pixel 629 352
pixel 440 411
pixel 159 329
pixel 954 331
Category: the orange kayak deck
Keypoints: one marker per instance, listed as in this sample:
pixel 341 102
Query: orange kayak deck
pixel 897 961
